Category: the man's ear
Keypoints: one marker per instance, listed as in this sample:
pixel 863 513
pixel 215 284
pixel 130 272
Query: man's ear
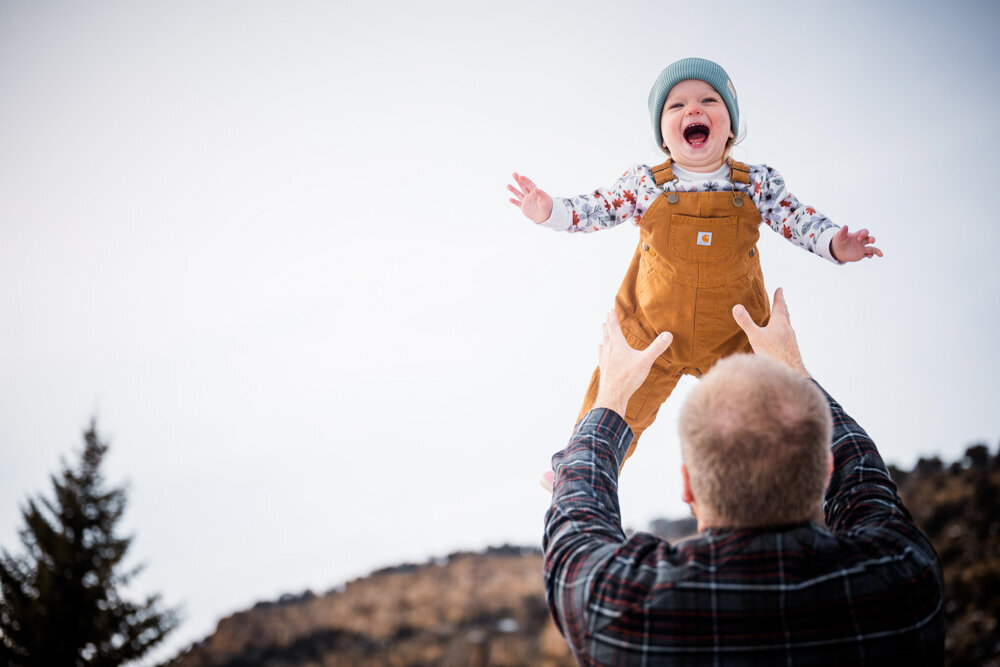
pixel 686 494
pixel 829 467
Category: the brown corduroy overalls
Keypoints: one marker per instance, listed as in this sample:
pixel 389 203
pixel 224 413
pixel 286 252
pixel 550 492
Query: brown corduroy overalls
pixel 697 258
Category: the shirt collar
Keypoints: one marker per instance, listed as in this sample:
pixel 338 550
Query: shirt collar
pixel 682 174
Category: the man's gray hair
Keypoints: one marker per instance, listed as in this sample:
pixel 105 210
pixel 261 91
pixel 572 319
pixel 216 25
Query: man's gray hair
pixel 755 438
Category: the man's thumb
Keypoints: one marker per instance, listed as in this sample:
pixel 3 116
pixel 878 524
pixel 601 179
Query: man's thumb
pixel 660 344
pixel 743 319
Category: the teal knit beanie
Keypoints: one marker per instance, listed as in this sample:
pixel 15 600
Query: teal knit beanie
pixel 692 68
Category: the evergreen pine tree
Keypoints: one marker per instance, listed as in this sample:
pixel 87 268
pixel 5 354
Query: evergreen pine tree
pixel 61 602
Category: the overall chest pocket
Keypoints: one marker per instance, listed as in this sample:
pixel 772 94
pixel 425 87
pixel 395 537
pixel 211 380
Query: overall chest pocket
pixel 702 239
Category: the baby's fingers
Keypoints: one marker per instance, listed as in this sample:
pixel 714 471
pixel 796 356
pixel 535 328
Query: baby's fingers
pixel 866 240
pixel 524 182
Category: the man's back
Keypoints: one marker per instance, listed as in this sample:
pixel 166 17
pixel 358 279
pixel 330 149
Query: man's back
pixel 795 595
pixel 865 591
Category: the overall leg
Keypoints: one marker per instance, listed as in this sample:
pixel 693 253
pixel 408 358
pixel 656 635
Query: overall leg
pixel 644 403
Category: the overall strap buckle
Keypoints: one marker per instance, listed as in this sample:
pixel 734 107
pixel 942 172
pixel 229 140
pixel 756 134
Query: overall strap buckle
pixel 738 173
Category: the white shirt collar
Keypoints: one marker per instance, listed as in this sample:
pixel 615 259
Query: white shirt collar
pixel 720 174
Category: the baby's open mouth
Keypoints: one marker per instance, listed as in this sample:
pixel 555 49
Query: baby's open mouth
pixel 696 134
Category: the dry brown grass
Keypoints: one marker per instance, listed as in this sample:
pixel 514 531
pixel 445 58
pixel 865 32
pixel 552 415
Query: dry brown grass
pixel 471 609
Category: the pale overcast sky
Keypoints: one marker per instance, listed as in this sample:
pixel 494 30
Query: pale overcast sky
pixel 268 245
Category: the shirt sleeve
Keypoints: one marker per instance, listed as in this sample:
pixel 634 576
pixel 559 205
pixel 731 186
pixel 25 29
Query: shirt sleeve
pixel 626 200
pixel 866 515
pixel 862 498
pixel 801 224
pixel 583 525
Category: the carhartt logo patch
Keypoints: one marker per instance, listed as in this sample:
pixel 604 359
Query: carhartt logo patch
pixel 704 238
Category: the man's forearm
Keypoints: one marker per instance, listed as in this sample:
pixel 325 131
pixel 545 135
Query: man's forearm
pixel 860 489
pixel 586 480
pixel 583 525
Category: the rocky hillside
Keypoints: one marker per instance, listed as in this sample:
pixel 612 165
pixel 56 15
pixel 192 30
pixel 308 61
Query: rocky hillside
pixel 473 609
pixel 466 610
pixel 958 506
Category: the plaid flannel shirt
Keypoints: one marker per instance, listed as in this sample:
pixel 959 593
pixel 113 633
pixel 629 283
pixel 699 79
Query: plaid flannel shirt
pixel 866 590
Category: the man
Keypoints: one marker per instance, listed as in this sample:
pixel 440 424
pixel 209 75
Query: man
pixel 765 582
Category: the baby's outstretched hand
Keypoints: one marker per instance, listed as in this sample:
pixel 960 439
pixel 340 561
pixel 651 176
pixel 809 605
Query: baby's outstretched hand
pixel 853 246
pixel 532 200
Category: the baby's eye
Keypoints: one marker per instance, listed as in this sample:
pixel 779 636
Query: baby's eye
pixel 675 105
pixel 709 99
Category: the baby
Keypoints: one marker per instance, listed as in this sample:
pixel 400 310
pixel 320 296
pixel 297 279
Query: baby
pixel 697 215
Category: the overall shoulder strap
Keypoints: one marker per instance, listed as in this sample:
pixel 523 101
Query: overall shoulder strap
pixel 663 173
pixel 738 172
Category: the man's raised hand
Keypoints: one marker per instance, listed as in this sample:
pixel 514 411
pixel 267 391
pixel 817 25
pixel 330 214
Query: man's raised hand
pixel 532 200
pixel 777 338
pixel 623 368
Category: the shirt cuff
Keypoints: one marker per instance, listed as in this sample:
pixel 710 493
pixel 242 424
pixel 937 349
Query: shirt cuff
pixel 823 244
pixel 608 427
pixel 559 218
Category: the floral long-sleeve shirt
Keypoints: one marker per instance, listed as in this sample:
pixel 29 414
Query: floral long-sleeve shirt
pixel 633 193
